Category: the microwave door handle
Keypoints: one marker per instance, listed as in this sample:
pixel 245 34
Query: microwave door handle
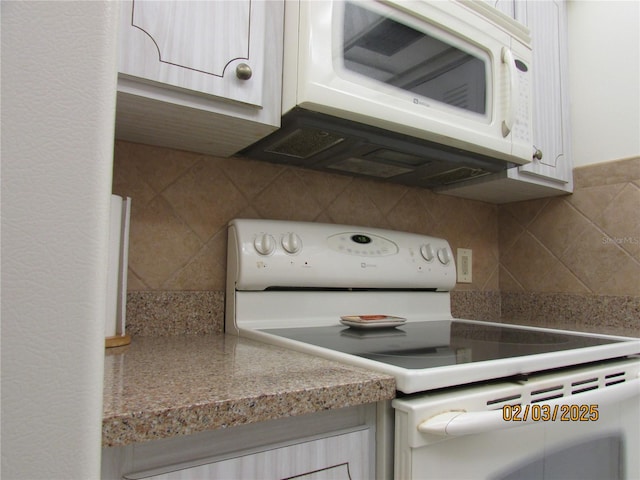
pixel 507 123
pixel 458 423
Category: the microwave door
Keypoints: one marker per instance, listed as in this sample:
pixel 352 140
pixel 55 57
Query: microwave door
pixel 387 51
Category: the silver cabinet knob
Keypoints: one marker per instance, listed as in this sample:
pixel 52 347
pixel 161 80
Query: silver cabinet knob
pixel 243 71
pixel 537 154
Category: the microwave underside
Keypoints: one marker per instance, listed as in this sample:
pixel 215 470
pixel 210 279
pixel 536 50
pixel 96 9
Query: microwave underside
pixel 322 142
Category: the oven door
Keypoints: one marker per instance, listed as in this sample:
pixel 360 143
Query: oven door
pixel 577 424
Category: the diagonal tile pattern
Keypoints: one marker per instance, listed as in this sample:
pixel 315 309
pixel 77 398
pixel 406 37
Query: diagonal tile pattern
pixel 588 242
pixel 183 201
pixel 204 198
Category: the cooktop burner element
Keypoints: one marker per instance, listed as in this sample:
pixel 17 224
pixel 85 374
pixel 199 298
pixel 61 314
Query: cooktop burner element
pixel 292 283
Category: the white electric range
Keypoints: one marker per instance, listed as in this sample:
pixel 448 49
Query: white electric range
pixel 380 299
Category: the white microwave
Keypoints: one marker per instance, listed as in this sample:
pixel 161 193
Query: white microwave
pixel 424 93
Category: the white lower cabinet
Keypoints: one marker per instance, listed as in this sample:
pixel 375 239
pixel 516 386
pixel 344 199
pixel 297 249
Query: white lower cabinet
pixel 339 457
pixel 338 444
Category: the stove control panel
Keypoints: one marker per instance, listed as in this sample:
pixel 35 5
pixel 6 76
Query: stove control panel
pixel 362 244
pixel 266 254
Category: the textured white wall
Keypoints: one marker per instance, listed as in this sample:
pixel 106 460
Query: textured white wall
pixel 58 103
pixel 604 79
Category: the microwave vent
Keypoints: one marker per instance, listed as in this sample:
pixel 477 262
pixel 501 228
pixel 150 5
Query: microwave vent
pixel 456 175
pixel 305 143
pixel 362 166
pixel 323 142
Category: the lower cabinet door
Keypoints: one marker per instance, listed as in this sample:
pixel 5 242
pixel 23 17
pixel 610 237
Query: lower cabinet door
pixel 340 457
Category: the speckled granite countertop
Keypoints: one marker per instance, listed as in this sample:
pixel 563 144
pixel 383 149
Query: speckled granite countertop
pixel 159 387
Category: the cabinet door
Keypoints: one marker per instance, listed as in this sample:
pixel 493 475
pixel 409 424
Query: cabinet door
pixel 550 110
pixel 208 47
pixel 505 6
pixel 338 457
pixel 547 22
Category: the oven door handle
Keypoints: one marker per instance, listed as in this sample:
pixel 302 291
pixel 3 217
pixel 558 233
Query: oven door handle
pixel 458 423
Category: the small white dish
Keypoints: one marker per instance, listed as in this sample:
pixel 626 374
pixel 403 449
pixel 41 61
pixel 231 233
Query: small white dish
pixel 372 321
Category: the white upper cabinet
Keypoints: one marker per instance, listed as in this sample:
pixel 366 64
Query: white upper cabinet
pixel 550 171
pixel 201 46
pixel 547 21
pixel 505 6
pixel 200 75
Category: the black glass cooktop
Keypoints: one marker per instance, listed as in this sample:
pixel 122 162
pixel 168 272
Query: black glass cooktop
pixel 437 343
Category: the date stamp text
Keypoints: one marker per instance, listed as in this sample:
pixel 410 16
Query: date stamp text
pixel 550 413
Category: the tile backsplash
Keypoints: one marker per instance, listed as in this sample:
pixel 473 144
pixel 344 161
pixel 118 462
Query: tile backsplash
pixel 574 261
pixel 183 201
pixel 566 256
pixel 585 243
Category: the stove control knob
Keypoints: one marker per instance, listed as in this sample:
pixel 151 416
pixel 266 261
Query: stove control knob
pixel 427 252
pixel 291 243
pixel 444 256
pixel 264 244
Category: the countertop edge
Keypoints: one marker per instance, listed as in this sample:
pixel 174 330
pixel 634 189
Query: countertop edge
pixel 144 426
pixel 139 414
